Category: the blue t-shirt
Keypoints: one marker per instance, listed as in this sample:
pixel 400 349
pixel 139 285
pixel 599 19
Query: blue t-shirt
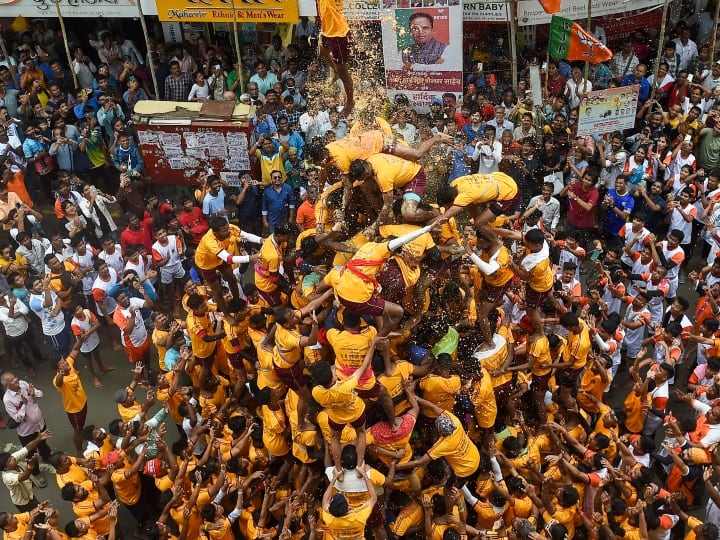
pixel 613 222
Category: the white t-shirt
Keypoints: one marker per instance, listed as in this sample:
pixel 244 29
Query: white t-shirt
pixel 138 334
pixel 51 325
pixel 93 339
pixel 14 327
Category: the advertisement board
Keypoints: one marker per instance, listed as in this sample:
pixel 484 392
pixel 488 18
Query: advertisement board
pixel 530 12
pixel 422 48
pixel 608 110
pixel 107 9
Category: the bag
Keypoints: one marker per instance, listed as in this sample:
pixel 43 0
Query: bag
pixel 45 164
pixel 556 179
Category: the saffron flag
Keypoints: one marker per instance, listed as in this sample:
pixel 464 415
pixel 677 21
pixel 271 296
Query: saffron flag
pixel 550 6
pixel 570 41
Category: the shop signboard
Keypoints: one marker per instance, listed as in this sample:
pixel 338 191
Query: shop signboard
pixel 274 11
pixel 108 9
pixel 530 12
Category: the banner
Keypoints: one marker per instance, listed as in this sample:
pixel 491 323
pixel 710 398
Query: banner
pixel 106 9
pixel 422 48
pixel 569 41
pixel 277 11
pixel 608 110
pixel 485 11
pixel 531 12
pixel 374 10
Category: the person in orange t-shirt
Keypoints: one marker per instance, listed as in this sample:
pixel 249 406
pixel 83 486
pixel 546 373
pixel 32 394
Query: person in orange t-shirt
pixel 306 213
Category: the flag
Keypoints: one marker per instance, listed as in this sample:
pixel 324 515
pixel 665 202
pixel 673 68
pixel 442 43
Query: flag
pixel 550 6
pixel 569 41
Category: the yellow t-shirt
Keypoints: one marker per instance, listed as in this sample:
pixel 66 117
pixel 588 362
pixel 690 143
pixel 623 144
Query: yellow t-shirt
pixel 441 391
pixel 158 335
pixel 458 450
pixel 579 346
pixel 350 526
pixel 483 397
pixel 541 276
pixel 197 326
pixel 540 351
pixel 367 261
pixel 494 359
pixel 266 375
pixel 484 188
pixel 72 391
pixel 352 147
pixel 410 516
pixel 393 384
pixel 564 516
pixel 274 427
pixel 503 274
pixel 418 246
pixel 393 172
pixel 350 349
pixel 287 347
pixel 128 489
pixel 206 254
pixel 237 331
pixel 341 258
pixel 332 20
pixel 347 436
pixel 324 215
pixel 270 262
pixel 340 401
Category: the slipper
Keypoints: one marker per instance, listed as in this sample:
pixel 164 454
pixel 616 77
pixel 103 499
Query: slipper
pixel 38 481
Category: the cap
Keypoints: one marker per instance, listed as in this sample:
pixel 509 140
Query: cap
pixel 293 151
pixel 121 395
pixel 435 101
pixel 132 78
pixel 111 458
pixel 245 97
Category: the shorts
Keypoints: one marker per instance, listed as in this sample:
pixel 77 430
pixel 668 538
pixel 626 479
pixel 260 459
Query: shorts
pixel 501 207
pixel 541 383
pixel 492 294
pixel 77 419
pixel 377 516
pixel 358 423
pixel 535 299
pixel 211 276
pixel 502 392
pixel 136 354
pixel 375 306
pixel 569 375
pixel 59 343
pixel 339 48
pixel 169 273
pixel 236 360
pixel 205 362
pixel 416 187
pixel 392 281
pixel 292 377
pixel 272 298
pixel 370 393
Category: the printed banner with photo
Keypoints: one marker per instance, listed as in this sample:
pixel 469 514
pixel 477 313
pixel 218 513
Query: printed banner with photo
pixel 422 47
pixel 608 110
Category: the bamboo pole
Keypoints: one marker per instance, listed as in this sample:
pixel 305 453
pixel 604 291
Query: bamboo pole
pixel 237 49
pixel 661 45
pixel 714 34
pixel 146 35
pixel 513 41
pixel 587 62
pixel 67 47
pixel 547 72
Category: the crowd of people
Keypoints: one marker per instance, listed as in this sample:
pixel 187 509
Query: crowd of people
pixel 463 323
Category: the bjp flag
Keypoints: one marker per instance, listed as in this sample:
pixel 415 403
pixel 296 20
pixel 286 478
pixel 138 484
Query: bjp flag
pixel 569 41
pixel 550 6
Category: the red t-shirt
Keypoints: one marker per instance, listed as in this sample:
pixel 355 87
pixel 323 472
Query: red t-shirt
pixel 577 215
pixel 196 222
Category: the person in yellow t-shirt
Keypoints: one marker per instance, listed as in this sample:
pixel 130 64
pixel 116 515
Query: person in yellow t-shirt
pixel 217 252
pixel 237 340
pixel 357 288
pixel 274 422
pixel 535 270
pixel 270 278
pixel 335 45
pixel 453 444
pixel 476 192
pixel 440 386
pixel 339 399
pixel 579 346
pixel 67 381
pixel 494 264
pixel 126 481
pixel 204 335
pixel 391 173
pixel 336 512
pixel 483 397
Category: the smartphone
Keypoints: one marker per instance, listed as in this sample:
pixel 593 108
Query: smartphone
pixel 690 78
pixel 704 118
pixel 688 138
pixel 596 254
pixel 480 66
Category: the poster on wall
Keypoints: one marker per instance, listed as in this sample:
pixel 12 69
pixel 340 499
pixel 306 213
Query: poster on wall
pixel 608 110
pixel 422 47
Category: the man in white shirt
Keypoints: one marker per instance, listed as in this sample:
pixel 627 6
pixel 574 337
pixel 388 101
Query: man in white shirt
pixel 488 152
pixel 685 47
pixel 13 316
pixel 548 205
pixel 312 122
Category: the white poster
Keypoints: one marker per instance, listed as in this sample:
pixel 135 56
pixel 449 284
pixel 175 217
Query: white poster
pixel 530 12
pixel 485 11
pixel 106 9
pixel 608 110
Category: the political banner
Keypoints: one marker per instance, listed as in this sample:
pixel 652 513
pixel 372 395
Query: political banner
pixel 423 51
pixel 608 110
pixel 531 12
pixel 374 10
